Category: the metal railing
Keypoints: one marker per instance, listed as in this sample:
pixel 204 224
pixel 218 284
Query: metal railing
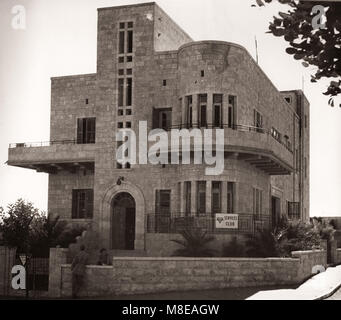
pixel 41 144
pixel 237 127
pixel 175 223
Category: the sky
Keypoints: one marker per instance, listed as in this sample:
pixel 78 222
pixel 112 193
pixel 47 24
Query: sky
pixel 60 39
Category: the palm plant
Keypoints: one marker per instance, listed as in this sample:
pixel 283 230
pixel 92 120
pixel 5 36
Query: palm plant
pixel 263 244
pixel 194 244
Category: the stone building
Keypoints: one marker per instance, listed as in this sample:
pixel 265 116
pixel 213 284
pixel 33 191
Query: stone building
pixel 149 69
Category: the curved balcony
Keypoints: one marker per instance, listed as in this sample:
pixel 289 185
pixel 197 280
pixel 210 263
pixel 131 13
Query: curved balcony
pixel 52 156
pixel 257 146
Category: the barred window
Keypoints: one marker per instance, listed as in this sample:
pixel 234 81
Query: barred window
pixel 257 201
pixel 216 197
pixel 293 210
pixel 230 197
pixel 163 202
pixel 86 130
pixel 188 197
pixel 201 197
pixel 82 203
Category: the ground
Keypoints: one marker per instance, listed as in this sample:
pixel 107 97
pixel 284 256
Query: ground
pixel 218 294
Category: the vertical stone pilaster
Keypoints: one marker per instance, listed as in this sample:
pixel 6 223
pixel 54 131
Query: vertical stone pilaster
pixel 194 201
pixel 183 111
pixel 208 198
pixel 224 196
pixel 182 199
pixel 210 109
pixel 58 257
pixel 195 110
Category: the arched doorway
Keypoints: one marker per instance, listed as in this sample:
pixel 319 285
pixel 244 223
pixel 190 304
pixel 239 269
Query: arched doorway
pixel 123 222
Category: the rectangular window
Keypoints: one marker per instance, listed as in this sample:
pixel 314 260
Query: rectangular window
pixel 162 118
pixel 216 197
pixel 121 42
pixel 162 210
pixel 305 167
pixel 203 110
pixel 217 107
pixel 188 198
pixel 129 58
pixel 201 197
pixel 130 41
pixel 82 204
pixel 86 130
pixel 163 201
pixel 120 92
pixel 293 210
pixel 257 202
pixel 120 59
pixel 230 197
pixel 129 96
pixel 258 121
pixel 189 115
pixel 231 121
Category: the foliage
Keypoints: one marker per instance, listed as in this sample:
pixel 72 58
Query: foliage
pixel 15 224
pixel 298 236
pixel 27 229
pixel 194 244
pixel 233 249
pixel 69 236
pixel 287 237
pixel 263 244
pixel 320 47
pixel 49 233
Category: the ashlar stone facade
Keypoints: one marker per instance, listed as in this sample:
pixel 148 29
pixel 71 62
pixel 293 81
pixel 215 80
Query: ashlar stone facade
pixel 149 69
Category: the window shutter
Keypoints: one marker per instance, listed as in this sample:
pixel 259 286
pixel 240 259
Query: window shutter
pixel 89 202
pixel 80 131
pixel 157 202
pixel 169 119
pixel 91 130
pixel 74 204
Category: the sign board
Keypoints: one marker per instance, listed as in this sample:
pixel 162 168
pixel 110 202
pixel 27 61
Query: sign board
pixel 23 259
pixel 226 221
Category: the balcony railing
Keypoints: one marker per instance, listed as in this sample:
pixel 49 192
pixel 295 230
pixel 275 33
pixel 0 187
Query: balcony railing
pixel 41 144
pixel 242 128
pixel 175 223
pixel 237 127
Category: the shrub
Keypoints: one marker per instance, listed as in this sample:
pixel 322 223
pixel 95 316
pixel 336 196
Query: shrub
pixel 287 237
pixel 262 245
pixel 194 244
pixel 28 229
pixel 233 249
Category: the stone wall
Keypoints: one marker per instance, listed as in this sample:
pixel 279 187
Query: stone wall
pixel 146 275
pixel 161 244
pixel 308 260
